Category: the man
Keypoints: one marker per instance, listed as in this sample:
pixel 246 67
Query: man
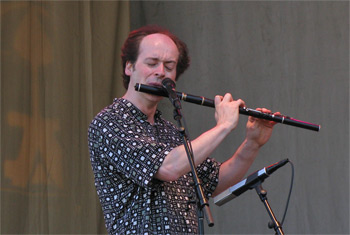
pixel 140 165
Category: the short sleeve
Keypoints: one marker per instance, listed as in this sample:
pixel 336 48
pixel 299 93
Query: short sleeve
pixel 126 148
pixel 208 172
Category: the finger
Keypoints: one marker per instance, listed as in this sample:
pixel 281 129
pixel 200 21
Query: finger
pixel 227 97
pixel 264 110
pixel 218 99
pixel 241 103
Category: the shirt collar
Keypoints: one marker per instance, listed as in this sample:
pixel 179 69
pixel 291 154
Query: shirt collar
pixel 133 110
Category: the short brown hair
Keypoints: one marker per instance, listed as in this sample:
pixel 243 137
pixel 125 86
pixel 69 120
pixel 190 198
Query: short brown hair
pixel 130 49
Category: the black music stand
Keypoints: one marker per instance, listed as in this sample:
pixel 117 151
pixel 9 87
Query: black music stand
pixel 203 209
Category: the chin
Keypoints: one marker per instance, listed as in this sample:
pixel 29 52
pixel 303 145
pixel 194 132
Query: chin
pixel 154 98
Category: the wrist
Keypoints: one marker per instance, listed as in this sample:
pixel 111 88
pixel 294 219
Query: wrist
pixel 252 144
pixel 225 128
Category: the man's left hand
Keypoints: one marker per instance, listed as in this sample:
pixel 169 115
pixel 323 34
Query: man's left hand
pixel 259 130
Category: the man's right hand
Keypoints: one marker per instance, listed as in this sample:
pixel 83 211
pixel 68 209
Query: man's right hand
pixel 227 111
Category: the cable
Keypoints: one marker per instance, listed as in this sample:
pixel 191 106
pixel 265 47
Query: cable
pixel 290 192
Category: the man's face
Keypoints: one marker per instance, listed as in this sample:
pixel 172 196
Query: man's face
pixel 157 59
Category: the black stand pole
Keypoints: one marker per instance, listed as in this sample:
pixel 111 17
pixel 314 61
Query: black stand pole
pixel 203 205
pixel 262 194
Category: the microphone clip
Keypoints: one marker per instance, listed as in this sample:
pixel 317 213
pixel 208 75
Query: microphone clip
pixel 169 86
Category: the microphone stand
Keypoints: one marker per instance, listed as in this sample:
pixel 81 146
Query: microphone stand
pixel 274 223
pixel 203 205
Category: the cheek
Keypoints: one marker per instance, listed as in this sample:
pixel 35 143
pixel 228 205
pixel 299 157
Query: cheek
pixel 171 75
pixel 144 70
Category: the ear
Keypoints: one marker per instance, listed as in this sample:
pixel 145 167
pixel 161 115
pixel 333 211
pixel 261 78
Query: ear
pixel 129 68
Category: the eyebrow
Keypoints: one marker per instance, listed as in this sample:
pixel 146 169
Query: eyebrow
pixel 156 59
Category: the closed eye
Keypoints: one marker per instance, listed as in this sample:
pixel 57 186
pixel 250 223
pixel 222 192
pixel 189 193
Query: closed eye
pixel 151 64
pixel 170 66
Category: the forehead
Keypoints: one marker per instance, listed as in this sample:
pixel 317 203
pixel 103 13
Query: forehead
pixel 158 46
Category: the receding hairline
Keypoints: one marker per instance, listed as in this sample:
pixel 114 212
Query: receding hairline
pixel 155 57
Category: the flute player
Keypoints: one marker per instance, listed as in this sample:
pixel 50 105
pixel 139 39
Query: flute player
pixel 140 165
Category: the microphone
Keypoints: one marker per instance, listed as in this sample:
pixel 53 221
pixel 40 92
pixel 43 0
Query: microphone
pixel 169 86
pixel 248 183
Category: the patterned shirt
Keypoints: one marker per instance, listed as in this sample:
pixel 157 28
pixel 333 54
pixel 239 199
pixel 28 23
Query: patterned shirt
pixel 125 152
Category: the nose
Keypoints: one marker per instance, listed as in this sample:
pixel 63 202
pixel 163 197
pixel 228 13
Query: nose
pixel 160 70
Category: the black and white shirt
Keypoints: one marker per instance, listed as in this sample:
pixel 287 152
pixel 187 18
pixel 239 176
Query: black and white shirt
pixel 125 152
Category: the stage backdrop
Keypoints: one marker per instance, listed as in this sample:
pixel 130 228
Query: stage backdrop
pixel 60 65
pixel 289 56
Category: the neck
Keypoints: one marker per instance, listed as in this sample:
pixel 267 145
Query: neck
pixel 147 106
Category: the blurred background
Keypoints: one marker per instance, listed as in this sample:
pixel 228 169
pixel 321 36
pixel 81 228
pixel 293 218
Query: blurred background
pixel 60 65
